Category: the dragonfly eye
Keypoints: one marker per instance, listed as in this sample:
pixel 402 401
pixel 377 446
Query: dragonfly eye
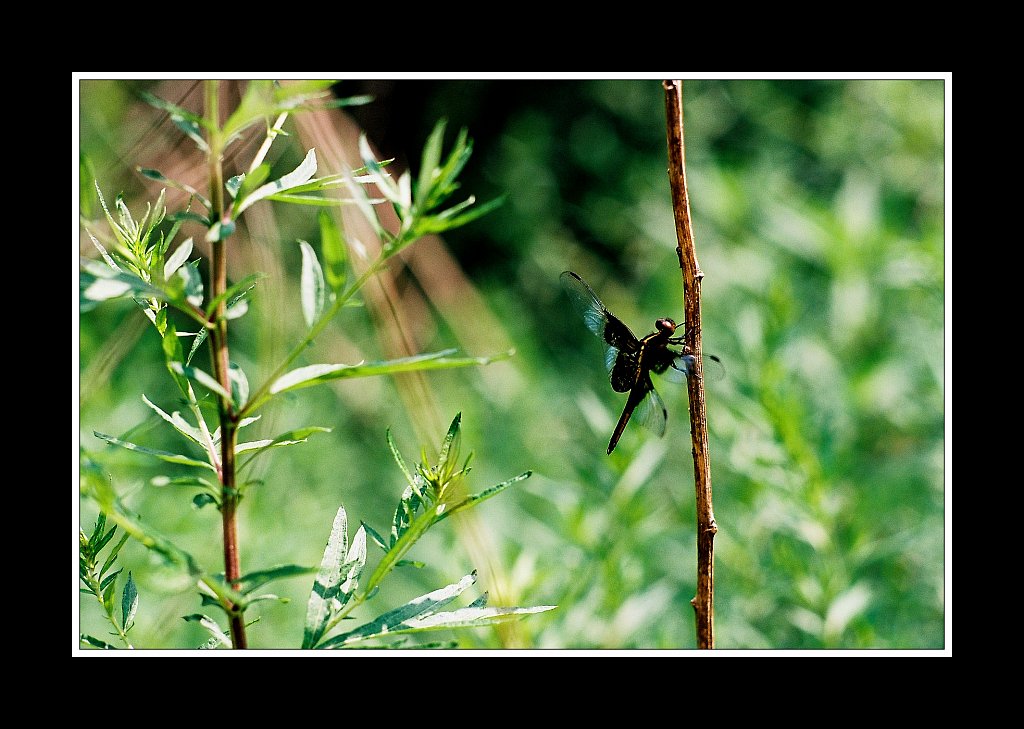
pixel 666 325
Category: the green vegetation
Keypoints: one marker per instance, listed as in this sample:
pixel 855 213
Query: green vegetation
pixel 818 211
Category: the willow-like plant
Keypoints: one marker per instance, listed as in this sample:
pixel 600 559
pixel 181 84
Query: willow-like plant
pixel 142 261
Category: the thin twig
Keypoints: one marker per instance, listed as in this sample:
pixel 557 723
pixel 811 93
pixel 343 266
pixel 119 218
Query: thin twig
pixel 704 602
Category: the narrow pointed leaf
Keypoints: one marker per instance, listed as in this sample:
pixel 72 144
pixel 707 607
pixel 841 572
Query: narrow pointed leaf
pixel 255 580
pixel 469 617
pixel 253 180
pixel 177 258
pixel 96 642
pixel 211 627
pixel 484 495
pixel 312 292
pixel 377 538
pixel 335 252
pixel 239 385
pixel 129 603
pixel 200 338
pixel 291 437
pixel 178 422
pixel 112 555
pixel 431 158
pixel 234 293
pixel 162 455
pixel 398 457
pixel 201 377
pixel 449 439
pixel 317 374
pixel 301 174
pixel 393 619
pixel 103 252
pixel 328 578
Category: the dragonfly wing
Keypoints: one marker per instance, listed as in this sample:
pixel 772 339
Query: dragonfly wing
pixel 651 412
pixel 585 301
pixel 621 355
pixel 624 370
pixel 683 366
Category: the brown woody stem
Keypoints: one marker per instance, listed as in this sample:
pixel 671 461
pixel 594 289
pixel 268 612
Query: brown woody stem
pixel 221 365
pixel 704 602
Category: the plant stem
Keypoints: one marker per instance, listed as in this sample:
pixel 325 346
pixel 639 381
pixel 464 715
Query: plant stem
pixel 703 603
pixel 221 363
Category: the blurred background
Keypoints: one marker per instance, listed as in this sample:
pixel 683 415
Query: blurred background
pixel 819 221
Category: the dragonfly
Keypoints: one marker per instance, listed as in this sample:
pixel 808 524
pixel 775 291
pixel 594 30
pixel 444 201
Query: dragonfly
pixel 630 361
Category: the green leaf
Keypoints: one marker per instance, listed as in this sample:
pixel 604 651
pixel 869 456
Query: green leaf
pixel 328 579
pixel 301 174
pixel 220 231
pixel 96 642
pixel 254 179
pixel 469 617
pixel 173 355
pixel 234 184
pixel 177 422
pixel 431 158
pixel 103 252
pixel 311 286
pixel 394 619
pixel 189 481
pixel 86 175
pixel 211 627
pixel 129 603
pixel 107 584
pixel 199 339
pixel 201 377
pixel 311 200
pixel 349 101
pixel 254 580
pixel 291 437
pixel 185 120
pixel 377 538
pixel 185 287
pixel 194 217
pixel 484 495
pixel 234 293
pixel 200 501
pixel 445 221
pixel 162 455
pixel 319 373
pixel 450 438
pixel 239 385
pixel 112 555
pixel 99 282
pixel 398 457
pixel 177 258
pixel 335 252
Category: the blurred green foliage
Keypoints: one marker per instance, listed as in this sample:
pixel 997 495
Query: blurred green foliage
pixel 819 217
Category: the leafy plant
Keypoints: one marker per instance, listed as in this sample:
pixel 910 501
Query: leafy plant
pixel 140 262
pixel 430 497
pixel 101 583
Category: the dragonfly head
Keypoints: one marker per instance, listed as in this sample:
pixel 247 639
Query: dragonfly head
pixel 665 325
